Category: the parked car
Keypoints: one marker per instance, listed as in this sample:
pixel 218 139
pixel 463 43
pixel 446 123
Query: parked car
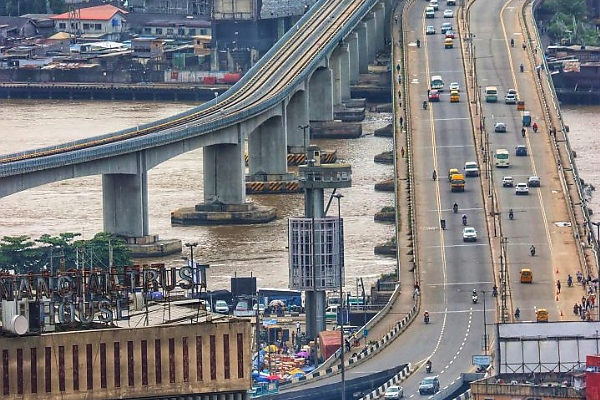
pixel 394 392
pixel 534 181
pixel 430 385
pixel 221 307
pixel 521 150
pixel 508 181
pixel 430 30
pixel 521 188
pixel 500 127
pixel 469 234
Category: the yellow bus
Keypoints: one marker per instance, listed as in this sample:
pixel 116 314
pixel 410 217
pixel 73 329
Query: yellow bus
pixel 491 94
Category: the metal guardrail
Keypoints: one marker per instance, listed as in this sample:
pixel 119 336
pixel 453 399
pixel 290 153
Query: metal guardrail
pixel 178 134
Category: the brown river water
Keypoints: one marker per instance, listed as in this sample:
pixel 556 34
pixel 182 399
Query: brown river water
pixel 76 205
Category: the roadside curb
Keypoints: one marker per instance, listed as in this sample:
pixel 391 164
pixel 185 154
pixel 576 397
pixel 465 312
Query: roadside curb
pixel 398 378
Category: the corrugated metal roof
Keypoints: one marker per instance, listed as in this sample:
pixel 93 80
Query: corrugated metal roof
pixel 100 13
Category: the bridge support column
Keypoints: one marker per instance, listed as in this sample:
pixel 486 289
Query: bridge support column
pixel 340 64
pixel 320 91
pixel 363 48
pixel 267 149
pixel 380 26
pixel 353 57
pixel 224 191
pixel 297 125
pixel 371 36
pixel 125 213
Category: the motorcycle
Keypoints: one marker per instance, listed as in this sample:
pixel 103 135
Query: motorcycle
pixel 474 298
pixel 426 318
pixel 532 250
pixel 569 280
pixel 512 42
pixel 511 214
pixel 534 127
pixel 494 291
pixel 517 313
pixel 434 175
pixel 464 220
pixel 455 208
pixel 428 367
pixel 425 105
pixel 522 67
pixel 418 43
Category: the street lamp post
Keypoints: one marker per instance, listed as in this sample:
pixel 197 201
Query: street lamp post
pixel 216 98
pixel 597 225
pixel 485 344
pixel 339 196
pixel 191 245
pixel 304 128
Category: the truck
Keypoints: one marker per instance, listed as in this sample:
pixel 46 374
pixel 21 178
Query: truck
pixel 457 183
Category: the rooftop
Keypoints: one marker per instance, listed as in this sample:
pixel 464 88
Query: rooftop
pixel 99 13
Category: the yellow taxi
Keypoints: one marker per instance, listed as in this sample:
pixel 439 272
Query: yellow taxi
pixel 526 276
pixel 454 96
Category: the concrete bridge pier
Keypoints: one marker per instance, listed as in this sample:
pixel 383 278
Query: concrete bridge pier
pixel 125 213
pixel 346 109
pixel 297 122
pixel 380 25
pixel 363 48
pixel 320 92
pixel 371 36
pixel 354 57
pixel 224 191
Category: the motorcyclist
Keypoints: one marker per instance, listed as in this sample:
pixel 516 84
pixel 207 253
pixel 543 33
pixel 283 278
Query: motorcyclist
pixel 426 317
pixel 428 366
pixel 532 250
pixel 535 127
pixel 522 67
pixel 424 105
pixel 495 291
pixel 455 208
pixel 512 42
pixel 474 296
pixel 464 219
pixel 517 313
pixel 418 43
pixel 569 280
pixel 511 214
pixel 434 175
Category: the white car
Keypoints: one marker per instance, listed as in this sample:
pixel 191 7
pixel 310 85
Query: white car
pixel 221 307
pixel 394 392
pixel 448 13
pixel 471 169
pixel 500 127
pixel 508 181
pixel 469 234
pixel 510 98
pixel 454 86
pixel 430 30
pixel 521 188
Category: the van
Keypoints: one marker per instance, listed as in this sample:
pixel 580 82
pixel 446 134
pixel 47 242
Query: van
pixel 448 43
pixel 457 183
pixel 502 158
pixel 437 83
pixel 491 94
pixel 454 96
pixel 435 4
pixel 526 276
pixel 429 12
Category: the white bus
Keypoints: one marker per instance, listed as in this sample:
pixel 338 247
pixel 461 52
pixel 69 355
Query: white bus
pixel 436 83
pixel 502 158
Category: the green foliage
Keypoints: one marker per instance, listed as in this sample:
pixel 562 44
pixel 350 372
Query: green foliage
pixel 23 255
pixel 567 20
pixel 388 209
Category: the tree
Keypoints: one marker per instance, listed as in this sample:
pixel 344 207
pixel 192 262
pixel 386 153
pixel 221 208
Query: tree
pixel 96 250
pixel 19 254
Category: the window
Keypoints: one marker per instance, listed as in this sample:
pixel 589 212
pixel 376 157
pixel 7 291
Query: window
pixel 98 27
pixel 159 31
pixel 86 27
pixel 203 31
pixel 192 31
pixel 148 31
pixel 62 25
pixel 181 31
pixel 169 31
